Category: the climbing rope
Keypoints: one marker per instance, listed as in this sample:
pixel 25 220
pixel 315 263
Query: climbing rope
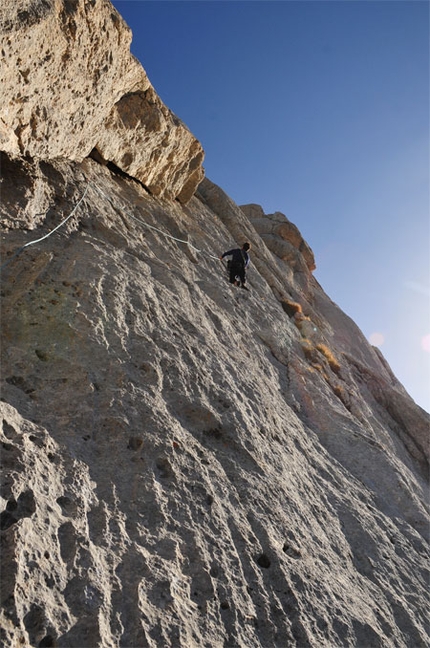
pixel 157 229
pixel 46 235
pixel 121 208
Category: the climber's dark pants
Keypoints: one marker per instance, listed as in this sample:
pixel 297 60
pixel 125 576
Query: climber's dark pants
pixel 237 271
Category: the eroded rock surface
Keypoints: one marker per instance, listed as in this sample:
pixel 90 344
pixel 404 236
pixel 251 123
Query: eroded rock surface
pixel 185 463
pixel 281 236
pixel 71 88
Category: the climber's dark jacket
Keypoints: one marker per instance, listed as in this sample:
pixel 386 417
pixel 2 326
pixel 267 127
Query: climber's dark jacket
pixel 239 257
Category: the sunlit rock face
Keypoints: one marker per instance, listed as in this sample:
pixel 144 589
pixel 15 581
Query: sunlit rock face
pixel 281 236
pixel 71 88
pixel 185 463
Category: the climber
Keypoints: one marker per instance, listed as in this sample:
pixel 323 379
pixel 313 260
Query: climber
pixel 238 264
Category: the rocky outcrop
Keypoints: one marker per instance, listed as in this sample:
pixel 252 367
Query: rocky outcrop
pixel 281 236
pixel 71 88
pixel 185 463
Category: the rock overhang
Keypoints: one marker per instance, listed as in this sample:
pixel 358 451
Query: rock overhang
pixel 70 85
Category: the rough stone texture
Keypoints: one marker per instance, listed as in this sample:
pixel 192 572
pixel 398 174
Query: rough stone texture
pixel 70 87
pixel 281 236
pixel 184 463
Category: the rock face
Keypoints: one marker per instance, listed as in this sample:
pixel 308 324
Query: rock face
pixel 71 88
pixel 184 463
pixel 281 236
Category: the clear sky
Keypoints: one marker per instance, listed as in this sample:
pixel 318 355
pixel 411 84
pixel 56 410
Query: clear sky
pixel 319 110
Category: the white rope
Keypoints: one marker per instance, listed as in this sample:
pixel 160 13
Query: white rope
pixel 46 235
pixel 60 225
pixel 126 211
pixel 157 229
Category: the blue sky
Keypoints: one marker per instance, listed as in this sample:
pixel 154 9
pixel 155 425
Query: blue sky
pixel 320 110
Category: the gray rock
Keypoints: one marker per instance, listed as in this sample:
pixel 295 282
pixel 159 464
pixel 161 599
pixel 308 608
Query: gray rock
pixel 185 463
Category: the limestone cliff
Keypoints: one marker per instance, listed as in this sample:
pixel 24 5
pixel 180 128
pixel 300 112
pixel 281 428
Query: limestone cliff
pixel 184 463
pixel 71 88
